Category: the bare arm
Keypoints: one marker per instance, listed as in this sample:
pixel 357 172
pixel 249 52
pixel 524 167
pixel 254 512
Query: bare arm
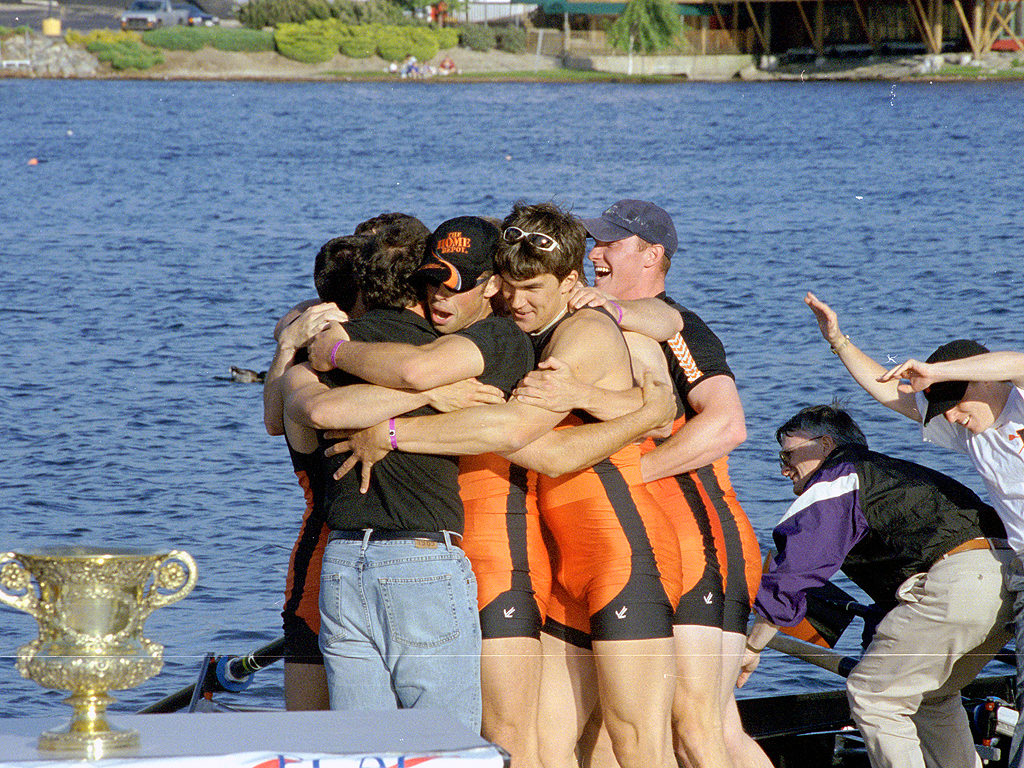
pixel 443 361
pixel 716 429
pixel 758 635
pixel 991 366
pixel 864 370
pixel 562 451
pixel 294 331
pixel 551 385
pixel 312 404
pixel 651 317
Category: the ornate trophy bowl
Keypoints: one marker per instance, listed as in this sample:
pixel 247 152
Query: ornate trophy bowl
pixel 91 604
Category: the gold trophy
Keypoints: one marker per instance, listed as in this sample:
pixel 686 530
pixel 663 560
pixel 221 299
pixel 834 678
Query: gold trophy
pixel 91 605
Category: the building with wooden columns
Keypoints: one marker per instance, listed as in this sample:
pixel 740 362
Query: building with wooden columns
pixel 835 27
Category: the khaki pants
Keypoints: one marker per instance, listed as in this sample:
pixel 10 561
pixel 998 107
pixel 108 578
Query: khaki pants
pixel 905 692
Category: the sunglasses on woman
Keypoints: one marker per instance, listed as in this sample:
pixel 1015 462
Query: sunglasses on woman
pixel 538 240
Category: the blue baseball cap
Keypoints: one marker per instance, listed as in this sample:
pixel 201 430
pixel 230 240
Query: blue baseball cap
pixel 634 217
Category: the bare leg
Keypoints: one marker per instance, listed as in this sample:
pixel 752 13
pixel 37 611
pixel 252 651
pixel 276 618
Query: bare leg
pixel 743 750
pixel 697 712
pixel 568 692
pixel 510 669
pixel 596 745
pixel 638 723
pixel 305 687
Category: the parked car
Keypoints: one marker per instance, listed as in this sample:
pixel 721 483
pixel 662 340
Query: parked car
pixel 196 16
pixel 150 14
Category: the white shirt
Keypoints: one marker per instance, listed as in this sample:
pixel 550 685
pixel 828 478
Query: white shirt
pixel 997 454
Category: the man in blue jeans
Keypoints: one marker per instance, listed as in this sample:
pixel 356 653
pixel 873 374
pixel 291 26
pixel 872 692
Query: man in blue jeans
pixel 399 625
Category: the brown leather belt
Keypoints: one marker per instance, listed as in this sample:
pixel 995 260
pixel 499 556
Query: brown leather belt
pixel 979 543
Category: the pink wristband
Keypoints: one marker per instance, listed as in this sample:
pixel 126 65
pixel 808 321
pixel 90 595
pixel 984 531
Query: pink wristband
pixel 618 308
pixel 334 351
pixel 392 434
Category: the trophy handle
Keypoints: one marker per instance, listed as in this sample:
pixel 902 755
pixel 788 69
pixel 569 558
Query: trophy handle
pixel 176 572
pixel 14 576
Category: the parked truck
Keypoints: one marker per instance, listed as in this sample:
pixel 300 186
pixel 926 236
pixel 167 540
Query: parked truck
pixel 150 14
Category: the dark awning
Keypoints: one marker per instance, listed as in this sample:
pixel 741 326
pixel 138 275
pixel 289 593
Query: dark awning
pixel 558 7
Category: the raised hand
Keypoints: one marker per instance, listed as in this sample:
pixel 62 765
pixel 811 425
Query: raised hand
pixel 828 322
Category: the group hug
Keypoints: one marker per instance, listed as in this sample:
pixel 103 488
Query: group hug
pixel 518 505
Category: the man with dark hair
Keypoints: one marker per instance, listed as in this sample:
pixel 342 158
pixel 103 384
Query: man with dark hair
pixel 411 636
pixel 339 266
pixel 925 548
pixel 617 567
pixel 980 397
pixel 334 271
pixel 305 686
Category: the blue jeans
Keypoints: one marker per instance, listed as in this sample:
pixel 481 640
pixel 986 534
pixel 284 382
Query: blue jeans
pixel 400 627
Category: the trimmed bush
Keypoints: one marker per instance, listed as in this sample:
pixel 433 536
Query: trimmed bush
pixel 176 38
pixel 101 36
pixel 194 38
pixel 477 37
pixel 244 40
pixel 257 14
pixel 422 43
pixel 512 39
pixel 392 45
pixel 126 54
pixel 447 37
pixel 358 42
pixel 309 43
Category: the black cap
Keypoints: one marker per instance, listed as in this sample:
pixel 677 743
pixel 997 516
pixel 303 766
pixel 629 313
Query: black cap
pixel 459 252
pixel 635 217
pixel 946 394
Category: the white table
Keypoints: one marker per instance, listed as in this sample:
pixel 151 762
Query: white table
pixel 400 739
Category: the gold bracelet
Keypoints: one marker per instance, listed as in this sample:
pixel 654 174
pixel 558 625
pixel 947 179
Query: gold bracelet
pixel 842 343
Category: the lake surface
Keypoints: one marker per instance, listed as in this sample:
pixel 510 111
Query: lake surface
pixel 166 226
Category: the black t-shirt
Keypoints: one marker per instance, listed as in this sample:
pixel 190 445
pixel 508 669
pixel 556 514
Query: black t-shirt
pixel 408 491
pixel 418 492
pixel 507 351
pixel 693 355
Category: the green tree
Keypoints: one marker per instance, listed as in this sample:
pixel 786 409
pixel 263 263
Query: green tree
pixel 648 26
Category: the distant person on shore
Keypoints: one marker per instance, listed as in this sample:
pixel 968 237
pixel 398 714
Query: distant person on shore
pixel 926 549
pixel 447 66
pixel 972 401
pixel 688 474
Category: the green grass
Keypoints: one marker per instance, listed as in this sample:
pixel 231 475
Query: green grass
pixel 973 73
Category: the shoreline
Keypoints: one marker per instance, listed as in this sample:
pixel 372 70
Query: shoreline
pixel 210 64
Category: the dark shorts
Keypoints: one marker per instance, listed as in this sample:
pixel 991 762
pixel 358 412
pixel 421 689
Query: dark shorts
pixel 301 614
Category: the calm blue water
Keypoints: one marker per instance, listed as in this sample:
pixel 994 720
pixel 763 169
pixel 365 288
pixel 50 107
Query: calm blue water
pixel 168 225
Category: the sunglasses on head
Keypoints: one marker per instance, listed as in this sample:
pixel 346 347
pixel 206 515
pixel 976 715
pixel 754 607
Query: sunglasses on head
pixel 538 240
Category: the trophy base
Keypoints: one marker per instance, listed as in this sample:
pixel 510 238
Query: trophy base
pixel 92 746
